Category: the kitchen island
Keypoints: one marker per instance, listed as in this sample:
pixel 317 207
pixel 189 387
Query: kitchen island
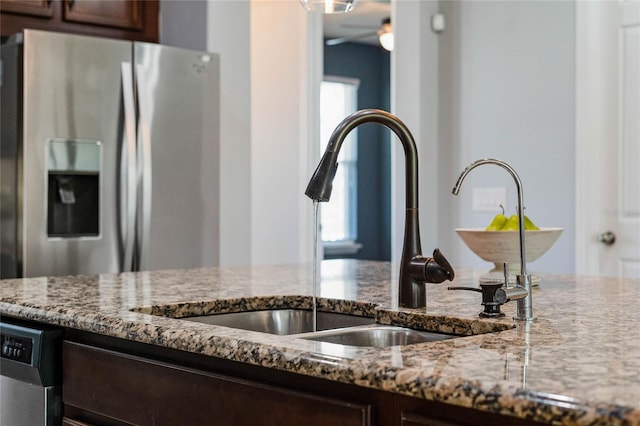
pixel 577 363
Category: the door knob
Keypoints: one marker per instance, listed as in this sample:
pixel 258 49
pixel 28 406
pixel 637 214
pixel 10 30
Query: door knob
pixel 607 238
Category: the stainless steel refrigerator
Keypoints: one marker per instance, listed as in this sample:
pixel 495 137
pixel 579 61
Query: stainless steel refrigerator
pixel 109 156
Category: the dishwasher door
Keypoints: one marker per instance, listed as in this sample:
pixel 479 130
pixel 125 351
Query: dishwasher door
pixel 30 379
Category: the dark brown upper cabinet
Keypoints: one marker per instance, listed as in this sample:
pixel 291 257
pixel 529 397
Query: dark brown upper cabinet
pixel 121 19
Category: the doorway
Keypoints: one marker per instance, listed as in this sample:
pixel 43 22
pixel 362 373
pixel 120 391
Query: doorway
pixel 608 138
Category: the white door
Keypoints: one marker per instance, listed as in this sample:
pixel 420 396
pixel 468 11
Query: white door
pixel 608 138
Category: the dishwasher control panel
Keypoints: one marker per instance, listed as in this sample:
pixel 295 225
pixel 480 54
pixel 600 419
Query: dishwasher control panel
pixel 16 348
pixel 30 352
pixel 30 373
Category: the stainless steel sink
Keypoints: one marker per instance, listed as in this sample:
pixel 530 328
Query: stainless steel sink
pixel 377 335
pixel 331 327
pixel 282 321
pixel 342 329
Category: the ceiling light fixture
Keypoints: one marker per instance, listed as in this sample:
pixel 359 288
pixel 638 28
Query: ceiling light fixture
pixel 385 35
pixel 328 6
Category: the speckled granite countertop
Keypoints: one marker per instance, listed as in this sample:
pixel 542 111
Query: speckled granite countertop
pixel 578 363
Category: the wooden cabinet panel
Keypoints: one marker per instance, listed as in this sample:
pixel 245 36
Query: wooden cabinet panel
pixel 41 8
pixel 121 13
pixel 114 382
pixel 412 419
pixel 121 19
pixel 140 391
pixel 416 412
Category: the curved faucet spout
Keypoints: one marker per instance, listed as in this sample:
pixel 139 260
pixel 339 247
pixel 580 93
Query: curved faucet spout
pixel 415 270
pixel 516 178
pixel 524 309
pixel 319 188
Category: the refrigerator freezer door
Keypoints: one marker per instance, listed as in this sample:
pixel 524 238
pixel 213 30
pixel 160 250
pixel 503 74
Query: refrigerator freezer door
pixel 72 92
pixel 178 101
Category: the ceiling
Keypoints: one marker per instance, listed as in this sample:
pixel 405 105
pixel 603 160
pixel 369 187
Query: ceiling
pixel 365 18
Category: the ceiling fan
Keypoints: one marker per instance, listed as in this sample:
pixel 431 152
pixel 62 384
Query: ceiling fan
pixel 384 33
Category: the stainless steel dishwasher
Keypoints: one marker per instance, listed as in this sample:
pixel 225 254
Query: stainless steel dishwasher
pixel 30 376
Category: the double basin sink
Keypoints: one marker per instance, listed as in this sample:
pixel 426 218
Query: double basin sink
pixel 293 316
pixel 337 328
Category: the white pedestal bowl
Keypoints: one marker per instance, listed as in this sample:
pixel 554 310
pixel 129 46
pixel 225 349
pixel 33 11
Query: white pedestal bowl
pixel 499 247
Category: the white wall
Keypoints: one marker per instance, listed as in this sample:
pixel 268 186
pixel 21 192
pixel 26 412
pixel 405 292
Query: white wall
pixel 282 130
pixel 229 34
pixel 504 89
pixel 414 99
pixel 184 24
pixel 266 119
pixel 507 74
pixel 498 82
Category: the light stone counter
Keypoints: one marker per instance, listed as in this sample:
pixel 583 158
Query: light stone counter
pixel 578 363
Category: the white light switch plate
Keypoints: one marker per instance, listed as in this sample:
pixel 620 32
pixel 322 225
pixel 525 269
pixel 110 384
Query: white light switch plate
pixel 489 199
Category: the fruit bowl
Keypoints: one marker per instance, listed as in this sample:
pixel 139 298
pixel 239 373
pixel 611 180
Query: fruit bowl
pixel 501 247
pixel 504 246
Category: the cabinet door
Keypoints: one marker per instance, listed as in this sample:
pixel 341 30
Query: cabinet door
pixel 419 412
pixel 113 13
pixel 412 419
pixel 120 19
pixel 40 8
pixel 105 383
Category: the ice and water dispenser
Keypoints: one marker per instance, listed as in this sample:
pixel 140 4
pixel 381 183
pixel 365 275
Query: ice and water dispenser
pixel 73 194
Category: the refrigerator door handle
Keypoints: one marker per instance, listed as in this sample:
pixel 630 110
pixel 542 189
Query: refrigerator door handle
pixel 128 170
pixel 145 174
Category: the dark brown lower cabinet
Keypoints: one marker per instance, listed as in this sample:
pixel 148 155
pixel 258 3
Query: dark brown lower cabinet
pixel 412 419
pixel 135 390
pixel 131 383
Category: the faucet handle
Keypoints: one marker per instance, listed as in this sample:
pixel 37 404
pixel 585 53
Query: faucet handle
pixel 438 269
